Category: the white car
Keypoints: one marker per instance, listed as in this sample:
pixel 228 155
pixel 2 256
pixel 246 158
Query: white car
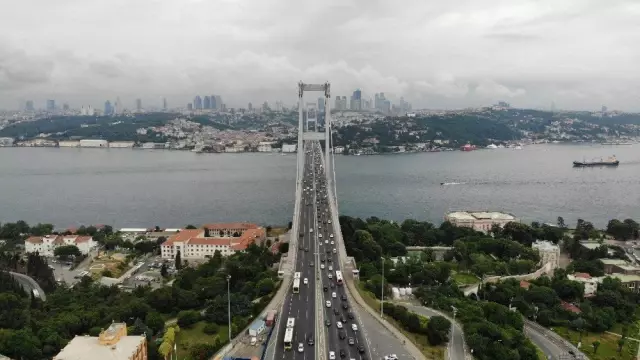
pixel 332 242
pixel 334 251
pixel 311 230
pixel 326 242
pixel 300 347
pixel 339 324
pixel 354 327
pixel 306 281
pixel 321 266
pixel 329 221
pixel 330 235
pixel 330 276
pixel 330 268
pixel 333 295
pixel 327 303
pixel 332 355
pixel 320 236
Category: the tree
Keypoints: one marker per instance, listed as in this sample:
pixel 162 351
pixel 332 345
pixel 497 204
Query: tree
pixel 178 261
pixel 283 248
pixel 67 251
pixel 596 345
pixel 163 270
pixel 438 330
pixel 187 318
pixel 154 321
pixel 560 222
pixel 190 227
pixel 621 343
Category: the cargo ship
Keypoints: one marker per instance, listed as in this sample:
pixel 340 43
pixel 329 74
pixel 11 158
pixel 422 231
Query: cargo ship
pixel 612 161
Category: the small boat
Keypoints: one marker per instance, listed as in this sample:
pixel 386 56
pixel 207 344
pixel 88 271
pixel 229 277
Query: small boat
pixel 612 161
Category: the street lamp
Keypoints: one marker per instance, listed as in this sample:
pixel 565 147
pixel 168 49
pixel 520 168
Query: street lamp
pixel 229 304
pixel 382 292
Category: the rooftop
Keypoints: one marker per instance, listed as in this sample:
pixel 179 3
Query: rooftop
pixel 481 215
pixel 249 233
pixel 545 245
pixel 112 344
pixel 591 245
pixel 626 278
pixel 613 262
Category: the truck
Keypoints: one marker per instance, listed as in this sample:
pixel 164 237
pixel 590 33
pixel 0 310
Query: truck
pixel 271 318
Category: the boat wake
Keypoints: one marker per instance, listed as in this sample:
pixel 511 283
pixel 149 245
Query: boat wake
pixel 452 183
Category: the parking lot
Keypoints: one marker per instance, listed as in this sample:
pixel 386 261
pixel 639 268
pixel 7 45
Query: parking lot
pixel 63 274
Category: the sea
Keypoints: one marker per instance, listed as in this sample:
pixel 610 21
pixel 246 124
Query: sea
pixel 146 188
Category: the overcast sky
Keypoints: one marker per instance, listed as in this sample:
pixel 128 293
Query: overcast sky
pixel 580 54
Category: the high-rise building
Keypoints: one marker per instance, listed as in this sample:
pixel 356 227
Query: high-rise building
pixel 356 100
pixel 320 104
pixel 51 105
pixel 250 107
pixel 117 108
pixel 108 109
pixel 219 103
pixel 139 104
pixel 197 102
pixel 28 105
pixel 214 102
pixel 207 102
pixel 189 106
pixel 164 103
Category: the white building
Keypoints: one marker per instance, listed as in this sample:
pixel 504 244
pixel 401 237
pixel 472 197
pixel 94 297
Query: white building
pixel 479 220
pixel 6 141
pixel 151 145
pixel 121 144
pixel 549 253
pixel 46 245
pixel 69 143
pixel 590 284
pixel 226 238
pixel 94 143
pixel 265 146
pixel 289 148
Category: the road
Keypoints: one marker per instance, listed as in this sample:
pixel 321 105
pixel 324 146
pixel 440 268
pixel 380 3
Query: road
pixel 456 346
pixel 301 305
pixel 29 284
pixel 381 341
pixel 551 344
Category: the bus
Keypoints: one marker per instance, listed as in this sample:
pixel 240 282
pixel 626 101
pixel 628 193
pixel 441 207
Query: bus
pixel 339 277
pixel 296 275
pixel 296 286
pixel 288 333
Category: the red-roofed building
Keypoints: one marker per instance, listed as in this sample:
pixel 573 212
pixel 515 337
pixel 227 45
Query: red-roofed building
pixel 525 284
pixel 204 242
pixel 570 307
pixel 46 245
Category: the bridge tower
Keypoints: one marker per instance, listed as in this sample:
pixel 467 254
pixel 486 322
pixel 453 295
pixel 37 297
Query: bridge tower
pixel 308 115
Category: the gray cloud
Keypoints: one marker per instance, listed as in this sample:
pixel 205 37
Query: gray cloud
pixel 577 53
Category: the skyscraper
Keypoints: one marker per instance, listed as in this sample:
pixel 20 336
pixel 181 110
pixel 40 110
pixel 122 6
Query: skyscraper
pixel 197 102
pixel 108 109
pixel 28 105
pixel 189 106
pixel 207 102
pixel 214 103
pixel 356 100
pixel 250 107
pixel 139 104
pixel 164 103
pixel 219 103
pixel 51 105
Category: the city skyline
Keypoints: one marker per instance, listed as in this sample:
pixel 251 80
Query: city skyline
pixel 577 54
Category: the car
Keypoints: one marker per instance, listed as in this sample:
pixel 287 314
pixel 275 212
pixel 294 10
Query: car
pixel 332 243
pixel 333 285
pixel 329 221
pixel 352 341
pixel 329 260
pixel 343 353
pixel 325 289
pixel 328 303
pixel 311 230
pixel 302 234
pixel 327 322
pixel 343 297
pixel 333 295
pixel 339 325
pixel 334 250
pixel 330 268
pixel 336 311
pixel 300 247
pixel 332 355
pixel 331 236
pixel 326 242
pixel 342 335
pixel 310 339
pixel 306 281
pixel 322 259
pixel 321 266
pixel 361 351
pixel 300 347
pixel 330 276
pixel 354 327
pixel 345 306
pixel 319 235
pixel 306 249
pixel 350 315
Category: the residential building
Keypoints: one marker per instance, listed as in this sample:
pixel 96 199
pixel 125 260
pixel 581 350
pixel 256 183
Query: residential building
pixel 122 144
pixel 630 281
pixel 6 141
pixel 112 344
pixel 289 148
pixel 46 245
pixel 479 220
pixel 139 104
pixel 549 253
pixel 94 143
pixel 611 265
pixel 595 244
pixel 69 143
pixel 51 105
pixel 265 146
pixel 590 283
pixel 204 242
pixel 197 102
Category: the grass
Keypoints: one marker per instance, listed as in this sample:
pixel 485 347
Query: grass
pixel 195 335
pixel 465 278
pixel 277 231
pixel 608 344
pixel 420 341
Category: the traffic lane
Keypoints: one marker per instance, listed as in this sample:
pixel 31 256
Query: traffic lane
pixel 381 342
pixel 333 341
pixel 548 347
pixel 457 336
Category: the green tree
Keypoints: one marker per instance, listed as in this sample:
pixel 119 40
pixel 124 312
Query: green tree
pixel 438 330
pixel 596 345
pixel 154 321
pixel 66 251
pixel 190 227
pixel 283 248
pixel 560 222
pixel 178 260
pixel 163 270
pixel 187 318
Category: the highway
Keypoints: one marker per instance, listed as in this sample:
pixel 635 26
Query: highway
pixel 301 306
